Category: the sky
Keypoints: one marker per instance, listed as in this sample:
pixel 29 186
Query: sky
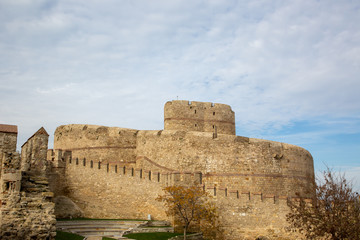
pixel 289 69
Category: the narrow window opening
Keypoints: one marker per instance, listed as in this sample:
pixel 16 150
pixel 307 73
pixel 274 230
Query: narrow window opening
pixel 84 162
pixel 140 173
pixel 99 165
pixel 7 186
pixel 107 167
pixel 124 170
pixel 149 175
pixel 214 191
pixel 115 168
pixel 77 161
pixel 91 164
pixel 214 113
pixel 195 111
pixel 195 125
pixel 158 177
pixel 70 159
pixel 132 171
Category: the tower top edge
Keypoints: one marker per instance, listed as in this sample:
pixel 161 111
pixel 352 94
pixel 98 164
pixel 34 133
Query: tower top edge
pixel 197 103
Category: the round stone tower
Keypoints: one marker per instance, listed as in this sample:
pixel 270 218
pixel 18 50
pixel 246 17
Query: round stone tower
pixel 199 116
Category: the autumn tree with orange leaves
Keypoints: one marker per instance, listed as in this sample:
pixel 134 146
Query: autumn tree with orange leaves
pixel 189 204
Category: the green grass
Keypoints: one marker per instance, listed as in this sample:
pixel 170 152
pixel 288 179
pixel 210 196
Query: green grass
pixel 67 236
pixel 152 236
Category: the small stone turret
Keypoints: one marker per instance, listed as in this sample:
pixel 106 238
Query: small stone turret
pixel 34 152
pixel 199 116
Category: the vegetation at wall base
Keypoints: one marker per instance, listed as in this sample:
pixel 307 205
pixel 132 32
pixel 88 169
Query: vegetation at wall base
pixel 191 204
pixel 334 211
pixel 152 236
pixel 67 236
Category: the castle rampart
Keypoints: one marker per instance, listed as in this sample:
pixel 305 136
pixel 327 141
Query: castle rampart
pixel 199 116
pixel 112 172
pixel 253 164
pixel 110 187
pixel 97 142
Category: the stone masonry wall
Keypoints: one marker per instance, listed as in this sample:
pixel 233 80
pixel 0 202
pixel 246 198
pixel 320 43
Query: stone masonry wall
pixel 199 116
pixel 34 152
pixel 56 171
pixel 113 191
pixel 237 162
pixel 244 216
pixel 26 210
pixel 250 179
pixel 104 144
pixel 8 142
pixel 8 138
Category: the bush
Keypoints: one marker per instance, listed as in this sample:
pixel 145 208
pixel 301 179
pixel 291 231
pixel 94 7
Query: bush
pixel 334 211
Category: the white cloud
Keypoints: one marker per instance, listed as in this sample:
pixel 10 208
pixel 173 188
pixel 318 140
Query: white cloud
pixel 55 90
pixel 117 62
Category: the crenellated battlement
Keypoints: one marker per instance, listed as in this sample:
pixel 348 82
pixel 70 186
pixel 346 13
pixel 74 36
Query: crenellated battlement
pixel 199 116
pixel 171 178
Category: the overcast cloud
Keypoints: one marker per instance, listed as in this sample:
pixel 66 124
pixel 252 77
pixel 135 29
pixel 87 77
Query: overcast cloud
pixel 289 69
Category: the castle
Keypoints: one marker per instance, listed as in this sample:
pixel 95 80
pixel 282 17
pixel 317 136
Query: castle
pixel 111 172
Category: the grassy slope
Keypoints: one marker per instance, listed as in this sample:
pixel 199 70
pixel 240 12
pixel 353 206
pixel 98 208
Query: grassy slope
pixel 67 236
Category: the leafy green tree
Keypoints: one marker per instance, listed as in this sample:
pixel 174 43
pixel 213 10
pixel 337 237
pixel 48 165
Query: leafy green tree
pixel 189 204
pixel 333 213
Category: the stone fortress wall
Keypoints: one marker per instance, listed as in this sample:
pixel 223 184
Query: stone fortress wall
pixel 97 142
pixel 116 191
pixel 114 172
pixel 26 210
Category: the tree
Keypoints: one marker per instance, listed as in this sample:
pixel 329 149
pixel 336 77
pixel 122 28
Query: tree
pixel 188 204
pixel 333 212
